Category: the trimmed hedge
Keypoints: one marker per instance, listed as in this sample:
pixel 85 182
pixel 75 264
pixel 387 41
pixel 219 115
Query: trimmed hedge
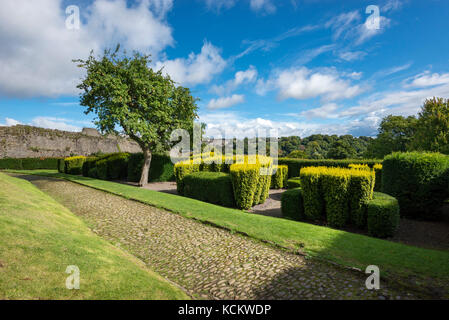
pixel 295 165
pixel 292 205
pixel 378 172
pixel 212 187
pixel 29 163
pixel 88 164
pixel 419 181
pixel 280 177
pixel 61 165
pixel 181 170
pixel 382 215
pixel 337 194
pixel 245 179
pixel 74 165
pixel 312 193
pixel 294 183
pixel 161 168
pixel 117 166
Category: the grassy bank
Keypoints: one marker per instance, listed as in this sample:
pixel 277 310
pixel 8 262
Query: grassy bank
pixel 39 238
pixel 345 248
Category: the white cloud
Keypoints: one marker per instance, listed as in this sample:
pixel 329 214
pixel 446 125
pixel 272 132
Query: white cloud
pixel 226 102
pixel 351 55
pixel 10 122
pixel 240 78
pixel 303 83
pixel 265 6
pixel 426 80
pixel 197 68
pixel 232 124
pixel 54 123
pixel 391 5
pixel 327 111
pixel 218 5
pixel 365 31
pixel 37 49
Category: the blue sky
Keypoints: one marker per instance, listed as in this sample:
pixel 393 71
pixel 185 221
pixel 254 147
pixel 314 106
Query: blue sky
pixel 301 67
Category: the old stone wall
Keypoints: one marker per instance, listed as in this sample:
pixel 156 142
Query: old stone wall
pixel 32 142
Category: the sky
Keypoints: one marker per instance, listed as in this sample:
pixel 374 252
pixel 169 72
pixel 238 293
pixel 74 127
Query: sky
pixel 298 66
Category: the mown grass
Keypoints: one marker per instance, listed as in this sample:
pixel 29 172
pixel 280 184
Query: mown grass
pixel 39 238
pixel 345 248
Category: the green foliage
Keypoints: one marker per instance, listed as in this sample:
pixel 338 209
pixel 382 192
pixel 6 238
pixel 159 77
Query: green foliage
pixel 88 164
pixel 102 169
pixel 341 150
pixel 117 166
pixel 212 187
pixel 378 172
pixel 245 179
pixel 432 128
pixel 360 192
pixel 74 165
pixel 295 165
pixel 124 92
pixel 294 183
pixel 93 173
pixel 29 163
pixel 382 215
pixel 280 177
pixel 263 188
pixel 162 168
pixel 312 194
pixel 292 204
pixel 181 170
pixel 61 165
pixel 297 154
pixel 335 188
pixel 418 180
pixel 395 134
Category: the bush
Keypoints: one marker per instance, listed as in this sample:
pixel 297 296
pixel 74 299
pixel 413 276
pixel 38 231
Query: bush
pixel 180 171
pixel 245 178
pixel 212 187
pixel 88 164
pixel 382 215
pixel 102 169
pixel 61 165
pixel 117 166
pixel 378 172
pixel 93 173
pixel 294 183
pixel 292 204
pixel 419 181
pixel 74 165
pixel 263 185
pixel 161 168
pixel 360 192
pixel 295 165
pixel 335 183
pixel 312 193
pixel 280 177
pixel 29 163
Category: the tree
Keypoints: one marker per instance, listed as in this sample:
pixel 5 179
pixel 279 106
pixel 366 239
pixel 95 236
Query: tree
pixel 341 149
pixel 432 128
pixel 124 92
pixel 298 154
pixel 395 134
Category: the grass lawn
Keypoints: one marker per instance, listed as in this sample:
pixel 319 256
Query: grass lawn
pixel 345 248
pixel 39 238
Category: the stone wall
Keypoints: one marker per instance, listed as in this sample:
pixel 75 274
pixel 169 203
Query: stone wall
pixel 32 142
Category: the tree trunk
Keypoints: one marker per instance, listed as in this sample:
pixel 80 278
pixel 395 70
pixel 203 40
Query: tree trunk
pixel 146 167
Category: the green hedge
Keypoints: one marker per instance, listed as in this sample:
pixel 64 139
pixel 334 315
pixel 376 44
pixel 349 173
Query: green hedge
pixel 360 192
pixel 294 183
pixel 74 165
pixel 292 205
pixel 335 188
pixel 88 164
pixel 29 163
pixel 182 170
pixel 161 168
pixel 61 165
pixel 280 177
pixel 419 181
pixel 295 165
pixel 382 215
pixel 245 179
pixel 117 166
pixel 212 187
pixel 312 195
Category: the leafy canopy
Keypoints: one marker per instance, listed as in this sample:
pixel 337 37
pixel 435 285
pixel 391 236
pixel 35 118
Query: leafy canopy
pixel 124 92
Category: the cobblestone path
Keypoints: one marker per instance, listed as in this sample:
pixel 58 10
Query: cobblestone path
pixel 210 263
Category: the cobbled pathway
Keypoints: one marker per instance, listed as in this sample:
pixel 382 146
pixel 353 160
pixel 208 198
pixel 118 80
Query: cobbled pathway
pixel 210 263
